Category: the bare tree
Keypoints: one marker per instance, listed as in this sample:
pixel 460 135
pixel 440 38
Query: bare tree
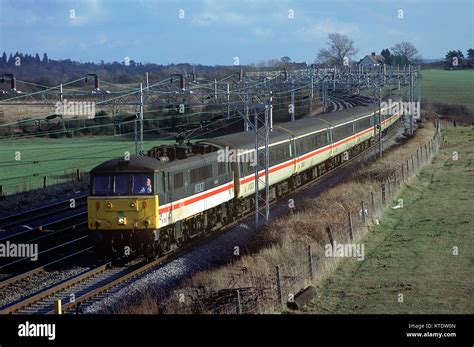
pixel 407 50
pixel 339 47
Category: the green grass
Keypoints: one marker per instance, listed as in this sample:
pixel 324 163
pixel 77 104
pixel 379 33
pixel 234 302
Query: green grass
pixel 411 252
pixel 55 158
pixel 452 87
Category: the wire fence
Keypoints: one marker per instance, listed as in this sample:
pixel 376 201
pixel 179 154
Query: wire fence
pixel 290 283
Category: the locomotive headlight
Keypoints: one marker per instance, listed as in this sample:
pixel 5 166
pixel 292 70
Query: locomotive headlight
pixel 109 205
pixel 132 205
pixel 121 220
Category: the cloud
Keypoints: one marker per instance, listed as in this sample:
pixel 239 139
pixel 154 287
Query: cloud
pixel 263 33
pixel 86 13
pixel 321 29
pixel 207 18
pixel 229 13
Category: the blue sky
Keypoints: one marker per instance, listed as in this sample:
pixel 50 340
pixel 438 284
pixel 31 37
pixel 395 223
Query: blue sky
pixel 217 31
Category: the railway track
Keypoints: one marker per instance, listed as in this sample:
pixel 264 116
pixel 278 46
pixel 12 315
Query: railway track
pixel 37 214
pixel 23 284
pixel 39 218
pixel 16 279
pixel 51 241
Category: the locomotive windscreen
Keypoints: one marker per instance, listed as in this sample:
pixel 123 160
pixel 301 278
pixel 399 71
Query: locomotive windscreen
pixel 123 184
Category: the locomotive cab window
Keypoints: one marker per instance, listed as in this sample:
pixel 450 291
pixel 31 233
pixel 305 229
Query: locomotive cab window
pixel 142 184
pixel 101 185
pixel 123 184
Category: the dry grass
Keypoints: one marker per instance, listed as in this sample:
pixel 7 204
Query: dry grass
pixel 283 243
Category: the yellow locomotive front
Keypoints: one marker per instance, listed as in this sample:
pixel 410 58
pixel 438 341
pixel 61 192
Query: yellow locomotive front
pixel 123 204
pixel 122 213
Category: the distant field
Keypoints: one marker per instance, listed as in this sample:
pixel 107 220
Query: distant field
pixel 56 158
pixel 412 251
pixel 452 87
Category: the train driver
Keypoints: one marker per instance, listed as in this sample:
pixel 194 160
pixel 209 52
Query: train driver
pixel 148 188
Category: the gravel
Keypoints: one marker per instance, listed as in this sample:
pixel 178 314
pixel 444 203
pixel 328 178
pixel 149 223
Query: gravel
pixel 31 285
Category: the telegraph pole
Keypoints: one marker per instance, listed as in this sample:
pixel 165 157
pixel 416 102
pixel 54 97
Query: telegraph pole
pixel 228 100
pixel 141 118
pixel 215 89
pixel 147 84
pixel 410 129
pixel 293 108
pixel 247 115
pixel 418 87
pixel 380 123
pixel 270 111
pixel 257 166
pixel 266 162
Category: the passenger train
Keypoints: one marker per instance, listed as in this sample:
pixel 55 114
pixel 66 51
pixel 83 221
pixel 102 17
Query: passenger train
pixel 153 204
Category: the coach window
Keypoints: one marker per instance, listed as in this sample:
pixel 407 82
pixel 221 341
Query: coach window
pixel 101 185
pixel 221 168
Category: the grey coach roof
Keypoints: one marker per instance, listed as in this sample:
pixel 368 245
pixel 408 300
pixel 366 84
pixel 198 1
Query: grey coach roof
pixel 245 140
pixel 242 140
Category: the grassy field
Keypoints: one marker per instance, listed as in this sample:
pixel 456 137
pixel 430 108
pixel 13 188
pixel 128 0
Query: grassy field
pixel 452 87
pixel 56 158
pixel 412 251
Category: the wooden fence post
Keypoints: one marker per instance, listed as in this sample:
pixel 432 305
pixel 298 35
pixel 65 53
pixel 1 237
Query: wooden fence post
pixel 372 199
pixel 238 308
pixel 383 193
pixel 331 239
pixel 278 285
pixel 364 217
pixel 389 186
pixel 351 228
pixel 310 263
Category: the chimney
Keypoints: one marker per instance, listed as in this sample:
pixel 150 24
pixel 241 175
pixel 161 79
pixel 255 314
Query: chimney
pixel 373 54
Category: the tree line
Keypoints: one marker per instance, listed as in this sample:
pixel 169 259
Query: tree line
pixel 340 50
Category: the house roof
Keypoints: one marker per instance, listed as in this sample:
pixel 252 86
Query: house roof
pixel 375 59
